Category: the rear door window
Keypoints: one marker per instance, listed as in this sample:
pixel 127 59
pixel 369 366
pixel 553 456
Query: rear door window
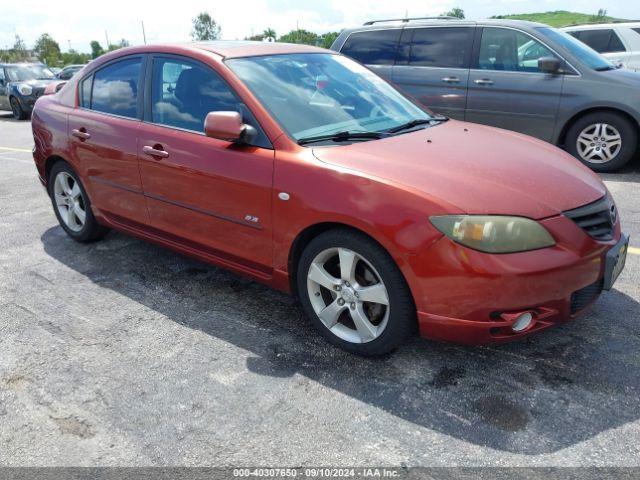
pixel 373 47
pixel 602 40
pixel 441 47
pixel 115 88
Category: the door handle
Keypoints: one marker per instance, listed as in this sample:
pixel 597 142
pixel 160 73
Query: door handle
pixel 81 133
pixel 483 81
pixel 155 151
pixel 451 80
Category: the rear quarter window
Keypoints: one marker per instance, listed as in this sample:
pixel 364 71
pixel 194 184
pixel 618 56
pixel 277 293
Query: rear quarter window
pixel 602 40
pixel 115 88
pixel 374 47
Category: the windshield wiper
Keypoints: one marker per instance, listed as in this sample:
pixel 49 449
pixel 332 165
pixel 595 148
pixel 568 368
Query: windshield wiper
pixel 416 122
pixel 342 137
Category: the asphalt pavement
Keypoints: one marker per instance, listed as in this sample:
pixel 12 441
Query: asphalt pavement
pixel 124 353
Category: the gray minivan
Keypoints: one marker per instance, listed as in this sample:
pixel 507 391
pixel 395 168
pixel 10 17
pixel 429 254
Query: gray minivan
pixel 522 76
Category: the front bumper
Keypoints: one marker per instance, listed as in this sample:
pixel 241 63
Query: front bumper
pixel 470 297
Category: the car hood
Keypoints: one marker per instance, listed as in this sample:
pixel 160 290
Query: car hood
pixel 478 169
pixel 623 76
pixel 37 83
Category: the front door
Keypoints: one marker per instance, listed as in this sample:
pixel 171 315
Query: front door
pixel 433 67
pixel 506 88
pixel 208 192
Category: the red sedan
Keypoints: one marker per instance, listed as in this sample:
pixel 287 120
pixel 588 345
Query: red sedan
pixel 302 169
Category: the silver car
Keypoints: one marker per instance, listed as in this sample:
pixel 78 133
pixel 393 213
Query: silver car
pixel 521 76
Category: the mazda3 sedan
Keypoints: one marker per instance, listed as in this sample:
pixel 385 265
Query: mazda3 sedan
pixel 300 168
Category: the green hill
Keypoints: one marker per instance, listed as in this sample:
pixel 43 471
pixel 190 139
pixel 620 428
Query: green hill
pixel 561 18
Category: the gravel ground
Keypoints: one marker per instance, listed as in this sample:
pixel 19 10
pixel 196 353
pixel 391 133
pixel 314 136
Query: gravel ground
pixel 122 353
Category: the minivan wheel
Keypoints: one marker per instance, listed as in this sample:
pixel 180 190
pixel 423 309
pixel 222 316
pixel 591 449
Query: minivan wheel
pixel 72 206
pixel 16 109
pixel 354 293
pixel 604 141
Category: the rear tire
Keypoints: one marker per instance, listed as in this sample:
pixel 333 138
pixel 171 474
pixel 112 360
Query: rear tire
pixel 72 206
pixel 356 287
pixel 17 110
pixel 603 141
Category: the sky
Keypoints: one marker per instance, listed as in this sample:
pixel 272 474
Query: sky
pixel 74 24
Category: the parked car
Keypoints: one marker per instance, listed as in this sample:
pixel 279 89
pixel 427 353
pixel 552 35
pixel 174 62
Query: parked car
pixel 69 71
pixel 20 85
pixel 55 70
pixel 618 42
pixel 516 75
pixel 300 168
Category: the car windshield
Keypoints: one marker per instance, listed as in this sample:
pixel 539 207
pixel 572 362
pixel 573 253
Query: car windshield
pixel 322 94
pixel 584 53
pixel 21 73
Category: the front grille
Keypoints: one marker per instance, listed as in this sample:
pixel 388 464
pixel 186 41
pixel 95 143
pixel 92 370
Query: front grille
pixel 37 92
pixel 583 297
pixel 597 219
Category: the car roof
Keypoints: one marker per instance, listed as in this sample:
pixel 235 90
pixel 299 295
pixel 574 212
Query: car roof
pixel 246 48
pixel 597 26
pixel 439 22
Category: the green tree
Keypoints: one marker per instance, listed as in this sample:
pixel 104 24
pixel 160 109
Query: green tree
pixel 256 38
pixel 300 36
pixel 47 49
pixel 121 44
pixel 328 39
pixel 74 57
pixel 96 49
pixel 205 28
pixel 455 12
pixel 269 34
pixel 19 53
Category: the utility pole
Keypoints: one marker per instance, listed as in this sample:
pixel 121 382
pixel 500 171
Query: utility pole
pixel 144 35
pixel 107 37
pixel 69 43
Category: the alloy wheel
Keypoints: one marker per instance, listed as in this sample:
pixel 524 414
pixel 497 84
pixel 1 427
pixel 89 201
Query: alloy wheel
pixel 348 295
pixel 69 201
pixel 599 143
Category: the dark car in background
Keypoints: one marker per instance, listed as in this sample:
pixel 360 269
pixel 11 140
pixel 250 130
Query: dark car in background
pixel 521 76
pixel 20 86
pixel 69 71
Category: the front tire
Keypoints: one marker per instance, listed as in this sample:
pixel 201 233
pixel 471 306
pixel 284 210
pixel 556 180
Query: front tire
pixel 17 110
pixel 72 206
pixel 354 293
pixel 603 141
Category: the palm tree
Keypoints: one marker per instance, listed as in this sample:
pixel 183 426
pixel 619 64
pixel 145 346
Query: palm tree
pixel 269 34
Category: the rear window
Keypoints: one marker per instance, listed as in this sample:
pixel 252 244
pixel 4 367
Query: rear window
pixel 637 30
pixel 441 47
pixel 115 88
pixel 374 47
pixel 602 40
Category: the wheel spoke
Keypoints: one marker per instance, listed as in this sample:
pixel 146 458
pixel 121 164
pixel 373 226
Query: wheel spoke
pixel 60 200
pixel 375 294
pixel 366 330
pixel 318 274
pixel 80 214
pixel 75 191
pixel 348 261
pixel 330 314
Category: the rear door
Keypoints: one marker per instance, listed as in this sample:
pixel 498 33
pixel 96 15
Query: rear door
pixel 103 136
pixel 433 66
pixel 506 88
pixel 374 48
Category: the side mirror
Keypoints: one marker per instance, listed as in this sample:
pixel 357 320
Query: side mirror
pixel 549 65
pixel 228 126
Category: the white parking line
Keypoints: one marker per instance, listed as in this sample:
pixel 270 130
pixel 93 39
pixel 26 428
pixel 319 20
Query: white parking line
pixel 12 149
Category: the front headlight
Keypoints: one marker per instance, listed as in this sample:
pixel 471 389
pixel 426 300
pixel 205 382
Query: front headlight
pixel 24 89
pixel 494 234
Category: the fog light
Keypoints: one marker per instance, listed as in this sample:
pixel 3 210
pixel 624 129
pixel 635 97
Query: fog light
pixel 523 321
